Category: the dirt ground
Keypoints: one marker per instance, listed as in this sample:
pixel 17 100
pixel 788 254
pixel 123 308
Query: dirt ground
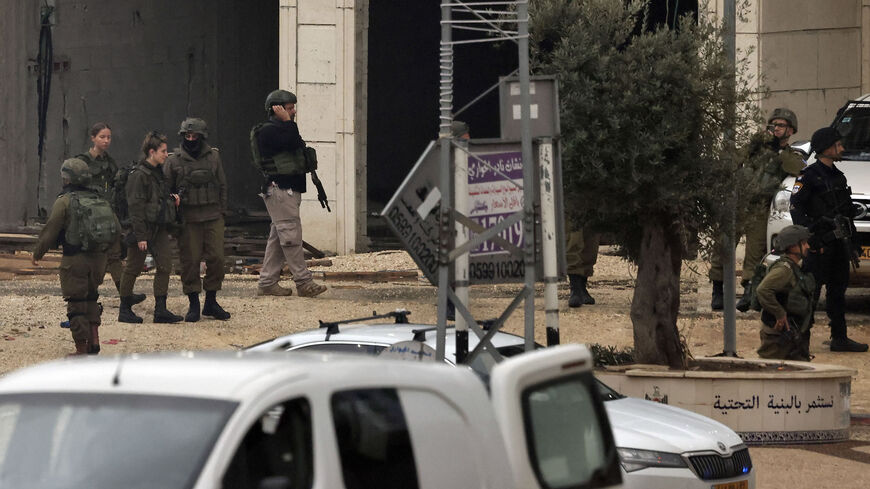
pixel 31 309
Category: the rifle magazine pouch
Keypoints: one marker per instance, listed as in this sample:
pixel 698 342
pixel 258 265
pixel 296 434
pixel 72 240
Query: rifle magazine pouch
pixel 290 162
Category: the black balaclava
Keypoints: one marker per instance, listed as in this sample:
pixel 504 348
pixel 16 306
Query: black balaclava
pixel 192 147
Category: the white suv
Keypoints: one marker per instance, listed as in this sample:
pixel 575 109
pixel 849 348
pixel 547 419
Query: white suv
pixel 853 122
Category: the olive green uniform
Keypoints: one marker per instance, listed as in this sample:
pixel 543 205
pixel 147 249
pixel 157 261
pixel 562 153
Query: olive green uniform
pixel 202 185
pixel 768 167
pixel 81 272
pixel 581 252
pixel 152 214
pixel 103 169
pixel 786 291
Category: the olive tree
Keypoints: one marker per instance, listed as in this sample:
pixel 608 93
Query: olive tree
pixel 646 117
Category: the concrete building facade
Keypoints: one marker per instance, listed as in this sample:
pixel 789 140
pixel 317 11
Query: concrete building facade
pixel 811 55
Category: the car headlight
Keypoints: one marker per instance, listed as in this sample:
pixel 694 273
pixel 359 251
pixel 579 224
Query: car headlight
pixel 633 459
pixel 782 201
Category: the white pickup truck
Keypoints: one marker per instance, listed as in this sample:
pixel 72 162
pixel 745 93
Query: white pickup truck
pixel 274 420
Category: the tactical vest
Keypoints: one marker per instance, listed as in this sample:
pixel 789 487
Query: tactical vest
pixel 297 162
pixel 90 222
pixel 160 207
pixel 199 183
pixel 798 301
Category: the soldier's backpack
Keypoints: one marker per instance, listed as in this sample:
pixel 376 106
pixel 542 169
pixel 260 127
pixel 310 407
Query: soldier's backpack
pixel 91 225
pixel 119 194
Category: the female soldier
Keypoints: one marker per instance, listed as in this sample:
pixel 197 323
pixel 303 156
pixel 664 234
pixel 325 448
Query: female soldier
pixel 152 211
pixel 103 169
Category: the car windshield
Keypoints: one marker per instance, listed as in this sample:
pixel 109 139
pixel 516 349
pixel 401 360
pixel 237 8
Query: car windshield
pixel 854 126
pixel 98 441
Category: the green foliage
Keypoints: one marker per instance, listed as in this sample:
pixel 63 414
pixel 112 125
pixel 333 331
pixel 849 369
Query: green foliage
pixel 603 355
pixel 644 117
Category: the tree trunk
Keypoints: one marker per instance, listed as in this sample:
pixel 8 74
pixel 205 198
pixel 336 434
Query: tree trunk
pixel 656 300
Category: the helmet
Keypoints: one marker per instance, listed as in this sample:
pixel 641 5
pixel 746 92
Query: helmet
pixel 279 97
pixel 784 114
pixel 790 236
pixel 192 124
pixel 76 171
pixel 824 138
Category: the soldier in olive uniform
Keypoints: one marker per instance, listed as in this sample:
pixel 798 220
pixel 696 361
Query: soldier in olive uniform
pixel 103 169
pixel 85 226
pixel 152 212
pixel 195 172
pixel 821 200
pixel 768 160
pixel 581 254
pixel 786 299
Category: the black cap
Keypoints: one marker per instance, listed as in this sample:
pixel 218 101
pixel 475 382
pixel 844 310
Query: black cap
pixel 824 138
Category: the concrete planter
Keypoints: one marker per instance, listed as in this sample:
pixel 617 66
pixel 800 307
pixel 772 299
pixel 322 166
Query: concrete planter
pixel 799 403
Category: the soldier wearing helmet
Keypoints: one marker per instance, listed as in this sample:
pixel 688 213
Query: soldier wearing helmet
pixel 786 299
pixel 84 225
pixel 768 160
pixel 275 145
pixel 195 172
pixel 821 200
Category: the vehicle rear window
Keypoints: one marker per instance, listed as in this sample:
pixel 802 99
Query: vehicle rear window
pixel 373 440
pixel 355 348
pixel 102 441
pixel 854 126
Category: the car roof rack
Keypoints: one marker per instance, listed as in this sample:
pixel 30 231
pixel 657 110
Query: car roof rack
pixel 420 333
pixel 401 316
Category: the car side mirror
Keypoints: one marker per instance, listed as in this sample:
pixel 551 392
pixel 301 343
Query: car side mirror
pixel 276 482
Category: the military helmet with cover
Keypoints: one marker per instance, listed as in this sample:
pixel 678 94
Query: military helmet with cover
pixel 786 115
pixel 279 97
pixel 195 125
pixel 790 236
pixel 75 171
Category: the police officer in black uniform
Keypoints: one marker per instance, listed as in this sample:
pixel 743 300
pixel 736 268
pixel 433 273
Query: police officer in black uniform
pixel 821 201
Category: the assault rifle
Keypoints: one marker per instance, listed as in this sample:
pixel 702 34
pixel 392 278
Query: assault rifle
pixel 321 193
pixel 843 234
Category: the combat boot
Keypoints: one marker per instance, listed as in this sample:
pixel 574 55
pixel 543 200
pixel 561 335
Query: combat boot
pixel 579 294
pixel 310 289
pixel 274 289
pixel 212 308
pixel 847 345
pixel 126 314
pixel 134 298
pixel 718 300
pixel 744 302
pixel 162 314
pixel 192 315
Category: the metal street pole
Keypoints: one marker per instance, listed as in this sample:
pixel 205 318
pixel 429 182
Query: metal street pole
pixel 729 243
pixel 528 175
pixel 444 221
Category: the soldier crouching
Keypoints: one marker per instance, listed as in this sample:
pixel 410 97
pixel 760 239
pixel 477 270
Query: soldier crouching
pixel 786 299
pixel 85 225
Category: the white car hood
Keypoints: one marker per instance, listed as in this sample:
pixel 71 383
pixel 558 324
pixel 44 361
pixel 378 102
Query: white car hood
pixel 647 425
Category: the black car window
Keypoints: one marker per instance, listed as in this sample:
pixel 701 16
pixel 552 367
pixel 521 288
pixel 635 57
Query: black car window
pixel 854 126
pixel 278 448
pixel 373 440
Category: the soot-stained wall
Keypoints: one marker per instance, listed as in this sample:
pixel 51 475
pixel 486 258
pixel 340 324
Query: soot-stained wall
pixel 138 65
